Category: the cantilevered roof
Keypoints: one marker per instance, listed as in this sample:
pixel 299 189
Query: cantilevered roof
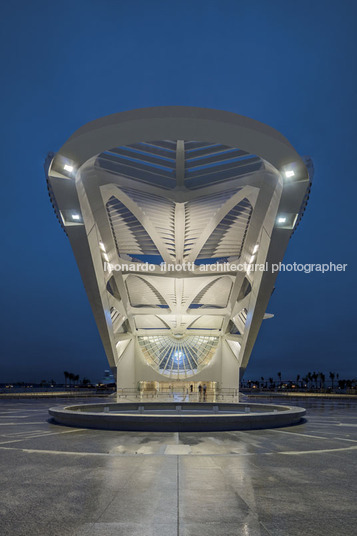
pixel 177 185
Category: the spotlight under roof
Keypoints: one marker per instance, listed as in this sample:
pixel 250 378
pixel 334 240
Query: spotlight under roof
pixel 289 173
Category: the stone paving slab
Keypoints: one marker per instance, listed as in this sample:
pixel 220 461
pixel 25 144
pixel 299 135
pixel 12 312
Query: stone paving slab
pixel 295 481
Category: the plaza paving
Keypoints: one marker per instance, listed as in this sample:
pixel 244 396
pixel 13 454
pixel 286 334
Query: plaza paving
pixel 299 480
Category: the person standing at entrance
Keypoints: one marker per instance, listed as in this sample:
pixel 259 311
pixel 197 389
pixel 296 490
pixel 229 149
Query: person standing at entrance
pixel 200 391
pixel 204 391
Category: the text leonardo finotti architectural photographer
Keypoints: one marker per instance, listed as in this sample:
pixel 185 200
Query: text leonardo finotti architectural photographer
pixel 175 186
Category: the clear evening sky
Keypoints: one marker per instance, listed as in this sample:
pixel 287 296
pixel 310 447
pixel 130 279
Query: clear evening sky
pixel 289 64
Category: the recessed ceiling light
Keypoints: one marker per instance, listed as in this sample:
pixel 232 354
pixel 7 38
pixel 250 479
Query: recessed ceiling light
pixel 101 245
pixel 75 216
pixel 281 220
pixel 289 173
pixel 256 247
pixel 68 168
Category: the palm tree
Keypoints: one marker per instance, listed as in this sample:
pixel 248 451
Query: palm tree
pixel 279 376
pixel 66 376
pixel 322 379
pixel 314 376
pixel 309 378
pixel 297 379
pixel 71 378
pixel 332 377
pixel 76 378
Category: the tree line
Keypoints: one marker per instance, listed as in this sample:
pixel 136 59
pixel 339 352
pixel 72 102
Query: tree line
pixel 71 379
pixel 311 380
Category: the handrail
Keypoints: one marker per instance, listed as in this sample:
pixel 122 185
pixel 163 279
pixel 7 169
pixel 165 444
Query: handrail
pixel 216 393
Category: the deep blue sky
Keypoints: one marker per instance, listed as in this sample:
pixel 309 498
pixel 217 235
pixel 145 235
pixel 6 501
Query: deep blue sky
pixel 289 64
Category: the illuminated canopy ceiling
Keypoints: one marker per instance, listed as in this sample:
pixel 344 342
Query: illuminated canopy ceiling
pixel 177 185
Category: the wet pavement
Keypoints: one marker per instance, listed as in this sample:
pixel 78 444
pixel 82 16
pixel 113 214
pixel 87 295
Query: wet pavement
pixel 298 480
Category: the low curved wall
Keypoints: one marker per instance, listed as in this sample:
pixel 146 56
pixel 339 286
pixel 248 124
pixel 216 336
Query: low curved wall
pixel 184 417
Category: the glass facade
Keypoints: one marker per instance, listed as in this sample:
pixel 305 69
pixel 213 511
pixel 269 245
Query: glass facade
pixel 178 357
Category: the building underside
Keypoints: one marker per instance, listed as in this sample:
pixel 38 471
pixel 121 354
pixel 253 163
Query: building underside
pixel 164 207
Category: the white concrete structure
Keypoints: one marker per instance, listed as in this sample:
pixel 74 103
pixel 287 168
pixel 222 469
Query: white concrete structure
pixel 195 189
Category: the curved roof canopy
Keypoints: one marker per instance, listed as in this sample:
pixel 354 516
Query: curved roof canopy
pixel 193 188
